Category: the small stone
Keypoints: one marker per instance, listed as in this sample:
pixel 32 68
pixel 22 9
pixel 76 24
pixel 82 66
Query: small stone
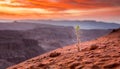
pixel 41 65
pixel 79 67
pixel 95 67
pixel 15 68
pixel 74 65
pixel 54 54
pixel 104 59
pixel 111 65
pixel 31 67
pixel 93 47
pixel 99 63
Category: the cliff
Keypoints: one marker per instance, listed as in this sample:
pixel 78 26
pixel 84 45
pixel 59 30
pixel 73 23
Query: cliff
pixel 22 41
pixel 14 48
pixel 19 45
pixel 102 53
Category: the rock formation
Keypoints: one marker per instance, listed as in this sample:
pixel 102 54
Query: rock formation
pixel 102 53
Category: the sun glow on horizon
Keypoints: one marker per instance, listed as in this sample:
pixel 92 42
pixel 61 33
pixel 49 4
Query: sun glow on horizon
pixel 5 2
pixel 60 9
pixel 10 2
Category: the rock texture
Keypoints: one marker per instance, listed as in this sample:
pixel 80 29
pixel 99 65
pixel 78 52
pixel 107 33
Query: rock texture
pixel 5 63
pixel 22 41
pixel 14 48
pixel 19 45
pixel 51 37
pixel 102 53
pixel 91 34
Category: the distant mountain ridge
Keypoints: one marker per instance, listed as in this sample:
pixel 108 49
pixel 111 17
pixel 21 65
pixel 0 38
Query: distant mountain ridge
pixel 86 24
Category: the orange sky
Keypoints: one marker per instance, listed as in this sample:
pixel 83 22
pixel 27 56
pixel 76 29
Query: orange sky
pixel 105 10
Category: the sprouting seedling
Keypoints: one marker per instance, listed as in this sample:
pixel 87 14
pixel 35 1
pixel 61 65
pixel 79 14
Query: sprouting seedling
pixel 77 31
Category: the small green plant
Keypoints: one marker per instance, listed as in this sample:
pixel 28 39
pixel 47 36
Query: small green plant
pixel 77 31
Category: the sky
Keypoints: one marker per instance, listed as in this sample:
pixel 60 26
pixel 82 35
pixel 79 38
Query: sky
pixel 100 10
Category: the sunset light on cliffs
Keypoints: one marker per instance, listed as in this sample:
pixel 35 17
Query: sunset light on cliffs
pixel 59 34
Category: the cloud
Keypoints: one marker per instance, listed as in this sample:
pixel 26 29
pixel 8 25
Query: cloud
pixel 63 4
pixel 77 9
pixel 70 4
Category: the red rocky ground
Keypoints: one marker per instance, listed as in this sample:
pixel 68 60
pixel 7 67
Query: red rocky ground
pixel 102 53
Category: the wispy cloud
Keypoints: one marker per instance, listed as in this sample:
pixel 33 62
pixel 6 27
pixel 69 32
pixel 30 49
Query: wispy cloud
pixel 56 8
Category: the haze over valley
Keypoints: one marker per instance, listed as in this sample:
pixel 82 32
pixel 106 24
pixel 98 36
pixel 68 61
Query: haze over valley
pixel 22 40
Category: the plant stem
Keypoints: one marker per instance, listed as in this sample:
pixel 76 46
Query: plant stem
pixel 78 38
